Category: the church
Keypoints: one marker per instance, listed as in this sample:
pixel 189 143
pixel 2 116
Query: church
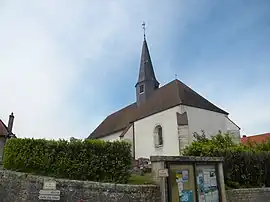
pixel 163 119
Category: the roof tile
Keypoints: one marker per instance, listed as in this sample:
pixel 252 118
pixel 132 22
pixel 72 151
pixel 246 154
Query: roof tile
pixel 256 138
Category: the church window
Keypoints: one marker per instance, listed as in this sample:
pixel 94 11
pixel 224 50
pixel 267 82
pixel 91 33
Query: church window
pixel 158 136
pixel 141 88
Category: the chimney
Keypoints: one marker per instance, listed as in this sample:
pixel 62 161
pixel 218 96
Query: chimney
pixel 10 122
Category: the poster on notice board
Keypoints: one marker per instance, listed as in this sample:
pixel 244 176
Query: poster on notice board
pixel 182 177
pixel 207 185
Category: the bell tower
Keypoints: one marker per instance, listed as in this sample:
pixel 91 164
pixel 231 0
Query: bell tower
pixel 147 82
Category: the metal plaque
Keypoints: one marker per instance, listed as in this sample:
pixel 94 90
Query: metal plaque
pixel 49 197
pixel 49 192
pixel 49 185
pixel 163 173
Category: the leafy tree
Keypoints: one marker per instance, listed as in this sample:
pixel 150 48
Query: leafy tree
pixel 245 165
pixel 203 146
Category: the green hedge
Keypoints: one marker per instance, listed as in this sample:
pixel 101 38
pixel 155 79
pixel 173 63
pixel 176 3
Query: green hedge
pixel 245 168
pixel 244 165
pixel 93 160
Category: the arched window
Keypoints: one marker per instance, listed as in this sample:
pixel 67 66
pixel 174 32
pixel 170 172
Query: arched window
pixel 158 136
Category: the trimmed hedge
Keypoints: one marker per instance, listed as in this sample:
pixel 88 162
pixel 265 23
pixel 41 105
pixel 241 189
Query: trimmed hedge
pixel 244 165
pixel 245 168
pixel 93 160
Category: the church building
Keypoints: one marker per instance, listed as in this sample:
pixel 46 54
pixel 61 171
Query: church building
pixel 163 119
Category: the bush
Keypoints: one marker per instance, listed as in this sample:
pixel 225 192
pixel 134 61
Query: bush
pixel 244 165
pixel 93 160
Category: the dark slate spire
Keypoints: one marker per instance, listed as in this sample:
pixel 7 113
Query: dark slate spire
pixel 146 67
pixel 147 82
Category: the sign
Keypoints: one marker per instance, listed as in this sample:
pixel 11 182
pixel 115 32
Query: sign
pixel 49 197
pixel 163 173
pixel 49 185
pixel 49 192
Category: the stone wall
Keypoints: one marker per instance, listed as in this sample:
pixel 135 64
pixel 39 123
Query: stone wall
pixel 21 187
pixel 249 195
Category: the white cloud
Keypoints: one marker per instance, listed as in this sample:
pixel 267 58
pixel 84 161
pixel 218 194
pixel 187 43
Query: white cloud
pixel 35 75
pixel 42 47
pixel 49 50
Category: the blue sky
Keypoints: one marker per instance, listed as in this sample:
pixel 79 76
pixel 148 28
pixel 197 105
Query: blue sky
pixel 66 65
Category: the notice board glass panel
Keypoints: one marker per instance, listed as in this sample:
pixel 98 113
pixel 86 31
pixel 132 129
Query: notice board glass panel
pixel 182 183
pixel 207 184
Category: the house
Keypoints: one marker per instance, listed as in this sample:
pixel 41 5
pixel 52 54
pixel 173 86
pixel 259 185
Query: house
pixel 255 138
pixel 6 133
pixel 163 119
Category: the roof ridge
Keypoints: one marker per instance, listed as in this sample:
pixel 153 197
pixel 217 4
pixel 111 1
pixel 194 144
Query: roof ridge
pixel 178 90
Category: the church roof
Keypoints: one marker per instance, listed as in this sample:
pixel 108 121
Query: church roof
pixel 168 96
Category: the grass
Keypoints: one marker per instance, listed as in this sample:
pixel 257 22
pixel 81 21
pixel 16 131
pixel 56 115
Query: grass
pixel 139 180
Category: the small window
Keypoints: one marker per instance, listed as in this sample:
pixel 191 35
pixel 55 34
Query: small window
pixel 158 136
pixel 141 88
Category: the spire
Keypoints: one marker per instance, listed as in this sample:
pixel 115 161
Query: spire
pixel 146 68
pixel 147 82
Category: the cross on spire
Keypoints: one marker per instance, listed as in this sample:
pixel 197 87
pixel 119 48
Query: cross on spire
pixel 143 26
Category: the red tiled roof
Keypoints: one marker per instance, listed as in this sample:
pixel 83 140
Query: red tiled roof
pixel 256 138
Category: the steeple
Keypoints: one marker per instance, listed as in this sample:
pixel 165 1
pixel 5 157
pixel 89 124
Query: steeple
pixel 147 82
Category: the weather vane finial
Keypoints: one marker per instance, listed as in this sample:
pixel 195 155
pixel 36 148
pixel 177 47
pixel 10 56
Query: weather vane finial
pixel 143 26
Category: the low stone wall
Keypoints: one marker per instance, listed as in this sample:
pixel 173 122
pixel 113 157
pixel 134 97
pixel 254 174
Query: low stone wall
pixel 19 187
pixel 248 195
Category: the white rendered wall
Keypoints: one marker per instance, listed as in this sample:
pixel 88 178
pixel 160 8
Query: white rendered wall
pixel 211 122
pixel 233 130
pixel 201 119
pixel 112 137
pixel 230 125
pixel 144 134
pixel 129 134
pixel 174 135
pixel 129 137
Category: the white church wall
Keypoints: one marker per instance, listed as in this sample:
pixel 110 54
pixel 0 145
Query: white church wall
pixel 144 134
pixel 129 138
pixel 230 125
pixel 233 130
pixel 129 134
pixel 112 137
pixel 201 119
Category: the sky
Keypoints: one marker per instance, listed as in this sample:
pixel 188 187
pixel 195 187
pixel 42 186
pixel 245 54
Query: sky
pixel 65 65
